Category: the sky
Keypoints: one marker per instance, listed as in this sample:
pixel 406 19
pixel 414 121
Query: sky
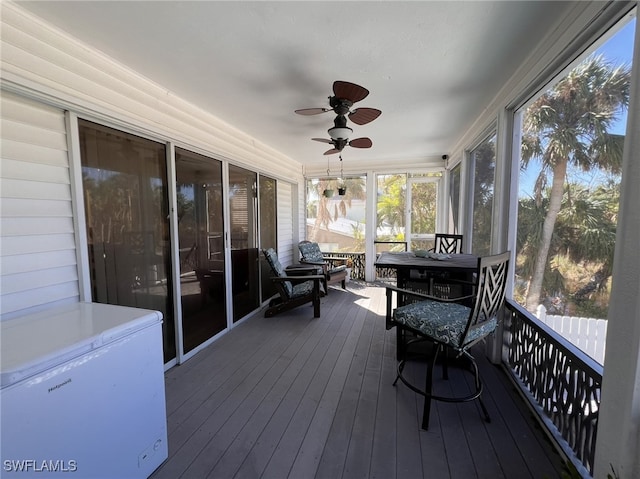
pixel 618 50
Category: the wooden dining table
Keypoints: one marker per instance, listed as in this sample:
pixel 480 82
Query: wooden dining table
pixel 412 270
pixel 406 262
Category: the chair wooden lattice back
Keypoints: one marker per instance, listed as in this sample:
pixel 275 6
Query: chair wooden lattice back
pixel 489 297
pixel 448 243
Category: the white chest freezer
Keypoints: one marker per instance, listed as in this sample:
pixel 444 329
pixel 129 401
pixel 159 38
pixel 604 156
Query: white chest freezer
pixel 82 393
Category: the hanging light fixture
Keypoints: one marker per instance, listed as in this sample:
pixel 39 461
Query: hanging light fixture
pixel 340 130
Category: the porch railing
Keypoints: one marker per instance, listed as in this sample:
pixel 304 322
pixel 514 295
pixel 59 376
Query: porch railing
pixel 562 383
pixel 357 262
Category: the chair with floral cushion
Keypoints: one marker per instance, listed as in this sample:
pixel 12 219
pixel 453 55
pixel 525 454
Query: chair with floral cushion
pixel 310 254
pixel 450 325
pixel 293 291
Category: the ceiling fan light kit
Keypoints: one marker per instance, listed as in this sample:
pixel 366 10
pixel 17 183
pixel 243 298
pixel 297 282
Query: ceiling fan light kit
pixel 340 132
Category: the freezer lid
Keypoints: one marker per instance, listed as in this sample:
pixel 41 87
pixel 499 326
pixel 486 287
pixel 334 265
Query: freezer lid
pixel 36 342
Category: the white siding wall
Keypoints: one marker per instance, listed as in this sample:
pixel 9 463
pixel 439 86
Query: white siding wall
pixel 47 63
pixel 37 253
pixel 285 224
pixel 44 72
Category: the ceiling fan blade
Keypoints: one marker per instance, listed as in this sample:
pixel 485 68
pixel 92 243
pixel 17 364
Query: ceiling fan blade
pixel 332 151
pixel 362 116
pixel 312 111
pixel 323 140
pixel 349 91
pixel 361 143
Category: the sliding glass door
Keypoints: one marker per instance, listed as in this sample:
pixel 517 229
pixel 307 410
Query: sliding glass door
pixel 201 246
pixel 243 220
pixel 126 200
pixel 126 204
pixel 268 230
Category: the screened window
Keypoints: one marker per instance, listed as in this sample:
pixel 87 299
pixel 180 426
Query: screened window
pixel 569 187
pixel 483 159
pixel 454 199
pixel 390 207
pixel 336 213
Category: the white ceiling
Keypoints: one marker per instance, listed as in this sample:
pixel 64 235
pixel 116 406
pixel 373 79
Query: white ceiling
pixel 431 67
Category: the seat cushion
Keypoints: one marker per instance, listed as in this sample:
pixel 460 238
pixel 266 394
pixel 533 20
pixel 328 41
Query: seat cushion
pixel 301 289
pixel 444 322
pixel 311 252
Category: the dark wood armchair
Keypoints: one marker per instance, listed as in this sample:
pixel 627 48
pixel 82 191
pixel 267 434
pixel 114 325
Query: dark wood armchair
pixel 293 291
pixel 310 254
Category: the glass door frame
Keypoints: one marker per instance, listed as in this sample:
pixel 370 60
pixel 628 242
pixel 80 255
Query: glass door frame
pixel 74 126
pixel 181 355
pixel 175 234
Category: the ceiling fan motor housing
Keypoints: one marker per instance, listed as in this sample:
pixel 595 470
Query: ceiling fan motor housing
pixel 340 105
pixel 340 143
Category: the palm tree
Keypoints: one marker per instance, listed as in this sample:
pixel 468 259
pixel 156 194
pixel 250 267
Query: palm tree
pixel 568 126
pixel 584 237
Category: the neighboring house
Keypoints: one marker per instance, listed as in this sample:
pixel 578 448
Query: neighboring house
pixel 50 81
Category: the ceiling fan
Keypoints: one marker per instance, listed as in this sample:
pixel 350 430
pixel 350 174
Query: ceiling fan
pixel 345 94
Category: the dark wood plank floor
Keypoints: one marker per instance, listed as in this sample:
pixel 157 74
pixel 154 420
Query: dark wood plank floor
pixel 297 397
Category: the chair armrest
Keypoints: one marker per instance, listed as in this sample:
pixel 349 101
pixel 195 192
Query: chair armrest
pixel 334 258
pixel 416 294
pixel 317 263
pixel 300 269
pixel 298 279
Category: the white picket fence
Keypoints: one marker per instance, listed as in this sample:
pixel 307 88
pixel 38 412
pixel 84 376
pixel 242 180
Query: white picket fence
pixel 588 334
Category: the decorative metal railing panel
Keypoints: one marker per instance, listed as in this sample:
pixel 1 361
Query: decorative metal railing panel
pixel 386 273
pixel 357 262
pixel 562 383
